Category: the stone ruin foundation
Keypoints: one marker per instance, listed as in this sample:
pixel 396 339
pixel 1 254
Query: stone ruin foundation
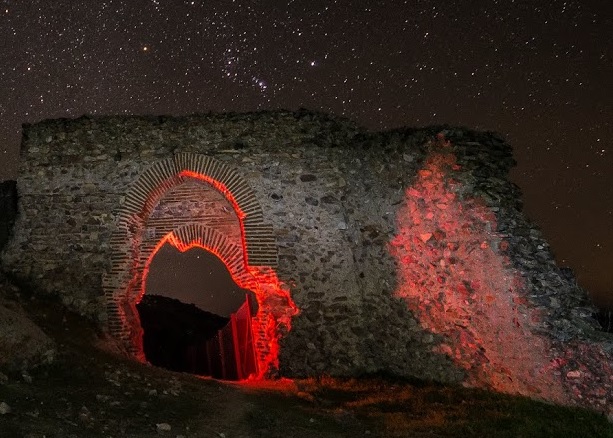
pixel 402 252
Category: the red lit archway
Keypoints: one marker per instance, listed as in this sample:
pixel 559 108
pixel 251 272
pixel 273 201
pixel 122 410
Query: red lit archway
pixel 274 303
pixel 193 200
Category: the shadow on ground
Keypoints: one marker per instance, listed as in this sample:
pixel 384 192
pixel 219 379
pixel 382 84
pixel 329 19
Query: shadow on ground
pixel 90 392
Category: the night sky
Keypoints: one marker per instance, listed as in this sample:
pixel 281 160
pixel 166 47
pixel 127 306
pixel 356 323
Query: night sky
pixel 540 72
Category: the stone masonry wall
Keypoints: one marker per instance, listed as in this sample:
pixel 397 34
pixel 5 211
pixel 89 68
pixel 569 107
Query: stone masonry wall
pixel 338 199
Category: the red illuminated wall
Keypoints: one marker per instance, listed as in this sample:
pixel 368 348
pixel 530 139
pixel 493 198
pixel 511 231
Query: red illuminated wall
pixel 455 277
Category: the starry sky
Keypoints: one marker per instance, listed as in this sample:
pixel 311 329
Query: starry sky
pixel 540 72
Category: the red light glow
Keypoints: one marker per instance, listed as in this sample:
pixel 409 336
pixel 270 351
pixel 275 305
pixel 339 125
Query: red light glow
pixel 454 276
pixel 275 306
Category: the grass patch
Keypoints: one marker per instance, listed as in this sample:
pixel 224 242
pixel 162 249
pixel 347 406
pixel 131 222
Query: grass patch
pixel 402 409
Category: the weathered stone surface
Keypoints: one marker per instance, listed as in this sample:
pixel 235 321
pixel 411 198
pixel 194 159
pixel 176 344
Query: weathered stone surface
pixel 338 199
pixel 5 408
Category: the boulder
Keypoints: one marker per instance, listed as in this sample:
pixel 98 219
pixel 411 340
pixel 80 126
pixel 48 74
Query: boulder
pixel 23 345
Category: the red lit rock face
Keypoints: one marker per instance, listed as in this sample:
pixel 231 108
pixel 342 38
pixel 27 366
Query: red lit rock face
pixel 454 276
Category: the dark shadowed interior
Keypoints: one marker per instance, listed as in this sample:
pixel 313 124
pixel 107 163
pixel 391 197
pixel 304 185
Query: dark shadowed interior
pixel 190 297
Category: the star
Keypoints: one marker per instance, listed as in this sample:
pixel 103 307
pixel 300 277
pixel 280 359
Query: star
pixel 537 72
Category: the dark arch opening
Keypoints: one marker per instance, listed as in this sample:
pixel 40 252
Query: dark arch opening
pixel 187 315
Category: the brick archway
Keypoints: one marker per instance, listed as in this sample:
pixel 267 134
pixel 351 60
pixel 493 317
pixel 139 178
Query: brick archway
pixel 251 255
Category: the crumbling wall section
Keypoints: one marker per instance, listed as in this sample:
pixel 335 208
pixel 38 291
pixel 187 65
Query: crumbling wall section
pixel 486 290
pixel 349 209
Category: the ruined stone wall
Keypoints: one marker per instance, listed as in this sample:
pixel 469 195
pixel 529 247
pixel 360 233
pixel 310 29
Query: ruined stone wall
pixel 358 219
